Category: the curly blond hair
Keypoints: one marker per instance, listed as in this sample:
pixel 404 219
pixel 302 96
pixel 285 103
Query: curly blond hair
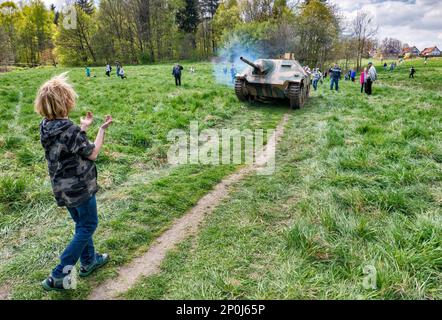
pixel 56 98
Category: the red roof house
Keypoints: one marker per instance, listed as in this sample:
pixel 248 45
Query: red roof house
pixel 431 52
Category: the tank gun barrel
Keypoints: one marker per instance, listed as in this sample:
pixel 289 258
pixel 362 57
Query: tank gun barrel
pixel 254 66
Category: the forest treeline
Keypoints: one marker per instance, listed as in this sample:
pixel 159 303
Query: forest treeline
pixel 148 31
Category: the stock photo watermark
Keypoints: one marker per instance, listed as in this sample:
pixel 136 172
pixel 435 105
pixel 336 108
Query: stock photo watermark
pixel 69 14
pixel 70 280
pixel 370 279
pixel 223 147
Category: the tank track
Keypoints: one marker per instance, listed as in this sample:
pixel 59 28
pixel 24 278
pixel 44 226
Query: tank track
pixel 239 84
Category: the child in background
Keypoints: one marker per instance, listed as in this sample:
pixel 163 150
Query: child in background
pixel 71 162
pixel 122 74
pixel 412 72
pixel 108 69
pixel 88 72
pixel 353 75
pixel 316 78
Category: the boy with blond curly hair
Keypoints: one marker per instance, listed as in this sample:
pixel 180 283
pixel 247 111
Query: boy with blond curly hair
pixel 71 162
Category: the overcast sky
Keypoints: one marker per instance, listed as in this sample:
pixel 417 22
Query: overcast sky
pixel 416 22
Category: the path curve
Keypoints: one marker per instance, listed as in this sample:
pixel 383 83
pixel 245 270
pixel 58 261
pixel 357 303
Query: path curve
pixel 149 263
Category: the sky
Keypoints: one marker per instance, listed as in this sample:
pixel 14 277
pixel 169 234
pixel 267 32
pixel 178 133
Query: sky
pixel 416 22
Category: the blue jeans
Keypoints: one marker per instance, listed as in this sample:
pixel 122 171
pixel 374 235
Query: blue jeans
pixel 334 83
pixel 315 84
pixel 81 246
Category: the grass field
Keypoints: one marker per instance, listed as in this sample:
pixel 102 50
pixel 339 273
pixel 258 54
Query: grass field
pixel 358 183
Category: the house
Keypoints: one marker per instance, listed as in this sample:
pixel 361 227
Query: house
pixel 410 51
pixel 431 52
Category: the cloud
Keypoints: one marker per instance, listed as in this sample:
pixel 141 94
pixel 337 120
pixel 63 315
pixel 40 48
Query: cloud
pixel 416 22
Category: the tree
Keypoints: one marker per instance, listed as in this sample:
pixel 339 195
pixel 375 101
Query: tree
pixel 226 18
pixel 208 9
pixel 391 47
pixel 9 17
pixel 363 29
pixel 74 45
pixel 316 42
pixel 86 5
pixel 188 17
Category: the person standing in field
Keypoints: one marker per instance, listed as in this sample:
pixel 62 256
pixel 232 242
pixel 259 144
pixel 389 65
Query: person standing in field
pixel 233 73
pixel 362 79
pixel 88 72
pixel 176 72
pixel 412 72
pixel 316 78
pixel 71 163
pixel 371 77
pixel 353 75
pixel 108 69
pixel 385 66
pixel 122 74
pixel 335 76
pixel 118 67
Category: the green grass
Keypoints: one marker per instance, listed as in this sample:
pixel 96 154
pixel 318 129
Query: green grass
pixel 140 194
pixel 358 183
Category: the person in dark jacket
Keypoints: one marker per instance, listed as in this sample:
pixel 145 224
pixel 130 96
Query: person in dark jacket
pixel 176 72
pixel 412 72
pixel 335 76
pixel 118 67
pixel 372 76
pixel 71 164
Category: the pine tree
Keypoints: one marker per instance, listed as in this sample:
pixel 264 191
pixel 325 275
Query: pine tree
pixel 86 5
pixel 188 18
pixel 209 7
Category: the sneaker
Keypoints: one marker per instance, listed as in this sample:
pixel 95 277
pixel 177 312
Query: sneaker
pixel 100 260
pixel 53 284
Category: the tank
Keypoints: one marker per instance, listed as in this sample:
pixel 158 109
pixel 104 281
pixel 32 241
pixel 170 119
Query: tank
pixel 266 79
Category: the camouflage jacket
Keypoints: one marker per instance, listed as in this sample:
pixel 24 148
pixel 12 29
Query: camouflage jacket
pixel 73 176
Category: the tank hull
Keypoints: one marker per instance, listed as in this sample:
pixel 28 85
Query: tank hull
pixel 281 79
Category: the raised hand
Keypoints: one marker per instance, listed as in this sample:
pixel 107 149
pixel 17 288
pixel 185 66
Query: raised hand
pixel 107 122
pixel 87 121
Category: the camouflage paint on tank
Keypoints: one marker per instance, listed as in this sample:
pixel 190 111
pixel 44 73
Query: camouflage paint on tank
pixel 273 77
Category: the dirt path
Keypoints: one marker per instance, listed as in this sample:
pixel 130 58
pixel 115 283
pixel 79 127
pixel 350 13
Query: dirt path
pixel 4 292
pixel 149 263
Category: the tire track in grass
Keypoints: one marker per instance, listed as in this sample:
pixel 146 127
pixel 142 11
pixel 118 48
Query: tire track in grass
pixel 149 263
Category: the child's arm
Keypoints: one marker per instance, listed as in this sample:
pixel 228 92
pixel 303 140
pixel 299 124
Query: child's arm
pixel 99 140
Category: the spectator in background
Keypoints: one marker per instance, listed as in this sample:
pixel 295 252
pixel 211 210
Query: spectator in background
pixel 233 73
pixel 385 66
pixel 353 75
pixel 335 76
pixel 412 72
pixel 108 69
pixel 372 76
pixel 122 74
pixel 88 72
pixel 176 72
pixel 118 66
pixel 316 78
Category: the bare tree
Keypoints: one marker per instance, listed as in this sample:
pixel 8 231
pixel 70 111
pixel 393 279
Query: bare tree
pixel 364 30
pixel 391 47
